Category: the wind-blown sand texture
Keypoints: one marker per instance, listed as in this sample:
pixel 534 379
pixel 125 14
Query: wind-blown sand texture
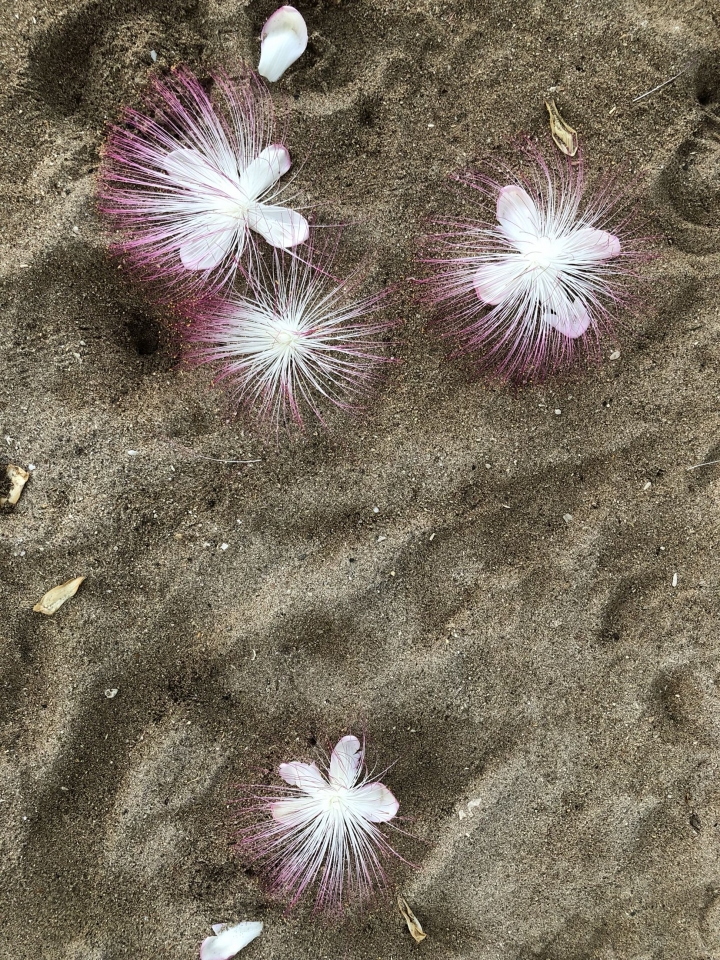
pixel 550 697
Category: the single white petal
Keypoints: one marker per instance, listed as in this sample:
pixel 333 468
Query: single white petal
pixel 373 801
pixel 230 941
pixel 190 170
pixel 304 776
pixel 265 170
pixel 494 282
pixel 517 214
pixel 210 240
pixel 284 38
pixel 280 227
pixel 297 811
pixel 345 762
pixel 589 244
pixel 568 317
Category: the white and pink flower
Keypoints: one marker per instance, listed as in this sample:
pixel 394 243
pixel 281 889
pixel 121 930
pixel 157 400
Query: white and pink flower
pixel 296 341
pixel 185 184
pixel 550 273
pixel 323 831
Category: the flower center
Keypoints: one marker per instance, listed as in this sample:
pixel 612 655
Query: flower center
pixel 540 253
pixel 286 338
pixel 334 799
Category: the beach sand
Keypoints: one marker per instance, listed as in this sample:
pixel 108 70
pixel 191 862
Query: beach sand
pixel 546 693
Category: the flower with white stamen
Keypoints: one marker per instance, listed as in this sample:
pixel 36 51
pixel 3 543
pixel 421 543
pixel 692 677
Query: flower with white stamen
pixel 322 829
pixel 284 38
pixel 184 183
pixel 547 275
pixel 296 340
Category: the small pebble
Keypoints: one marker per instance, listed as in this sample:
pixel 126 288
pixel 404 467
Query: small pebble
pixel 615 355
pixel 558 412
pixel 153 56
pixel 674 579
pixel 224 546
pixel 376 509
pixel 110 693
pixel 647 485
pixel 567 517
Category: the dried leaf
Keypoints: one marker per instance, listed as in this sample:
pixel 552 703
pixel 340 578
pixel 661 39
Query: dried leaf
pixel 413 924
pixel 55 598
pixel 18 478
pixel 562 133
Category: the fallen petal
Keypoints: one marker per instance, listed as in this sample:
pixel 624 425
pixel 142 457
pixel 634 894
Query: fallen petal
pixel 284 38
pixel 494 282
pixel 230 941
pixel 18 478
pixel 216 236
pixel 55 598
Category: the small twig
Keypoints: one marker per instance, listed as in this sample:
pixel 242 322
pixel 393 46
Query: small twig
pixel 661 85
pixel 199 456
pixel 708 463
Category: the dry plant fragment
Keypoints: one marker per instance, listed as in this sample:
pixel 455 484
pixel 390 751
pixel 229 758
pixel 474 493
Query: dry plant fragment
pixel 562 133
pixel 416 931
pixel 55 598
pixel 18 478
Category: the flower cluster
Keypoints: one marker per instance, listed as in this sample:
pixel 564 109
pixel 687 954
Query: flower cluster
pixel 189 184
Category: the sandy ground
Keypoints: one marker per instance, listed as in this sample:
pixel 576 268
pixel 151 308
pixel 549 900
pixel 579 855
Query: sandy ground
pixel 551 699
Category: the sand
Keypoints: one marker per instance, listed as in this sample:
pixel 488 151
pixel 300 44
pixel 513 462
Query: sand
pixel 548 693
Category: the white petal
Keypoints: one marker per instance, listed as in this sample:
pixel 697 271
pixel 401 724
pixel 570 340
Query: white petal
pixel 494 282
pixel 569 317
pixel 265 170
pixel 589 244
pixel 517 214
pixel 374 802
pixel 280 227
pixel 219 927
pixel 284 38
pixel 189 169
pixel 304 776
pixel 345 762
pixel 295 812
pixel 230 941
pixel 212 238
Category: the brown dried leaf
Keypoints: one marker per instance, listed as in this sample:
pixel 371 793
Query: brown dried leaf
pixel 562 133
pixel 55 598
pixel 416 931
pixel 18 478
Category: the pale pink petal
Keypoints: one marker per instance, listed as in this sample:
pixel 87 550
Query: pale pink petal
pixel 304 776
pixel 284 38
pixel 494 282
pixel 517 214
pixel 374 802
pixel 265 170
pixel 589 244
pixel 230 941
pixel 568 317
pixel 213 236
pixel 345 762
pixel 280 227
